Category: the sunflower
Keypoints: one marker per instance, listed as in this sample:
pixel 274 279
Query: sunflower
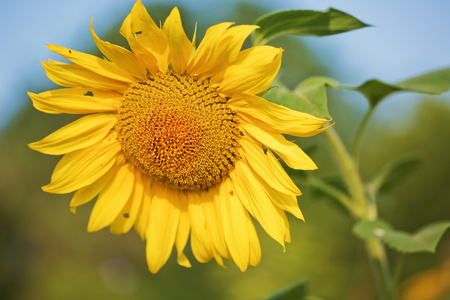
pixel 175 140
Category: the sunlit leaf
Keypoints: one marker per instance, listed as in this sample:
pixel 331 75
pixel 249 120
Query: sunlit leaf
pixel 310 96
pixel 433 83
pixel 296 291
pixel 304 22
pixel 394 172
pixel 424 240
pixel 274 92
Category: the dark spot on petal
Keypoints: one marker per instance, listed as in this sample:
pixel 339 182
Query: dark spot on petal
pixel 231 193
pixel 70 51
pixel 89 93
pixel 138 32
pixel 126 216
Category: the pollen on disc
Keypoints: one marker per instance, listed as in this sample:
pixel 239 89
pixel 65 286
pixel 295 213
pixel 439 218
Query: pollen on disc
pixel 178 130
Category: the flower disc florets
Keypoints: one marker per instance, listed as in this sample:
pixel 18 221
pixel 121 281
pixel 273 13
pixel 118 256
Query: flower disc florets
pixel 177 129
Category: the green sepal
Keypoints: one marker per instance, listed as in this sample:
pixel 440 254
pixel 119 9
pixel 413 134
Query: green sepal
pixel 304 22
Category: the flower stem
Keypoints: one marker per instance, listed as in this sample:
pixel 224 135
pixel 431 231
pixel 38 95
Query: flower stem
pixel 363 205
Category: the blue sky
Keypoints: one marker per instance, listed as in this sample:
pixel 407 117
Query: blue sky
pixel 408 37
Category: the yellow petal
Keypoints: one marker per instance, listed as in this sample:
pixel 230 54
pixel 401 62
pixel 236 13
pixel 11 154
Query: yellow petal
pixel 162 225
pixel 201 241
pixel 229 48
pixel 288 204
pixel 218 49
pixel 292 155
pixel 87 193
pixel 121 57
pixel 283 201
pixel 287 238
pixel 252 71
pixel 268 172
pixel 180 46
pixel 183 232
pixel 215 224
pixel 76 76
pixel 234 218
pixel 203 59
pixel 280 173
pixel 149 40
pixel 80 134
pixel 93 63
pixel 112 199
pixel 248 190
pixel 255 247
pixel 141 51
pixel 82 167
pixel 261 193
pixel 76 101
pixel 276 118
pixel 126 218
pixel 141 222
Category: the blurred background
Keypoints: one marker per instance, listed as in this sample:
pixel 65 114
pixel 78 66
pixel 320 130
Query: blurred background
pixel 46 252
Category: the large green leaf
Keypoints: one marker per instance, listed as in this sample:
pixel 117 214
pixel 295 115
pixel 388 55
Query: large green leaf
pixel 433 83
pixel 304 22
pixel 296 291
pixel 310 96
pixel 424 240
pixel 394 172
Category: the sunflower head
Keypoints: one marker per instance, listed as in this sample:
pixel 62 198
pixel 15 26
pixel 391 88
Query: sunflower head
pixel 176 143
pixel 178 130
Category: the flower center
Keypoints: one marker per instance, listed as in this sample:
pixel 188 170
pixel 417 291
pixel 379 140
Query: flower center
pixel 178 130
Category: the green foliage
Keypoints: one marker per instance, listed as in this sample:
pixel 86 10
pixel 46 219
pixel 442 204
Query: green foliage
pixel 296 291
pixel 394 171
pixel 304 22
pixel 433 83
pixel 424 240
pixel 309 96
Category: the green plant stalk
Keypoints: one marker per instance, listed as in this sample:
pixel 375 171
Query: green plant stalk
pixel 331 191
pixel 363 207
pixel 347 167
pixel 359 135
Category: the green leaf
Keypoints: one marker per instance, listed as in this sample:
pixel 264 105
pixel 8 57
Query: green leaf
pixel 274 92
pixel 394 172
pixel 433 83
pixel 424 240
pixel 304 22
pixel 371 229
pixel 310 96
pixel 296 291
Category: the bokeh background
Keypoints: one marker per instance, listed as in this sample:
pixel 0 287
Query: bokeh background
pixel 46 252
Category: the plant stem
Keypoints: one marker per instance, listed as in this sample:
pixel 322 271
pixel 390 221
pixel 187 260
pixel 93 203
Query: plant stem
pixel 331 191
pixel 348 169
pixel 364 206
pixel 359 135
